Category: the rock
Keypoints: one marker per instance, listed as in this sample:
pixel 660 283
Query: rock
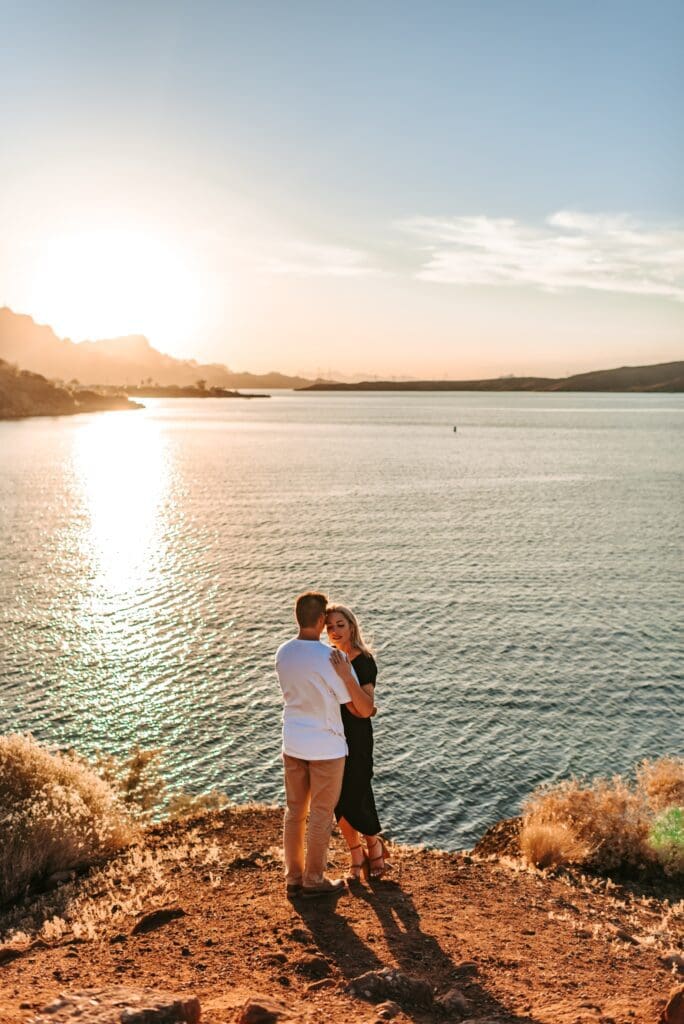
pixel 467 968
pixel 300 935
pixel 484 1020
pixel 625 936
pixel 501 838
pixel 314 967
pixel 674 1011
pixel 316 986
pixel 387 1010
pixel 9 953
pixel 250 861
pixel 453 1003
pixel 56 1005
pixel 377 986
pixel 674 960
pixel 157 918
pixel 121 1005
pixel 276 959
pixel 261 1010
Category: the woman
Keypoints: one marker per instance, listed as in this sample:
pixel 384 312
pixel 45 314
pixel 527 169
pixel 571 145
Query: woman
pixel 355 811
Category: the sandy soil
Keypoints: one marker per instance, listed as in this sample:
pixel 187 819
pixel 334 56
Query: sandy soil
pixel 520 946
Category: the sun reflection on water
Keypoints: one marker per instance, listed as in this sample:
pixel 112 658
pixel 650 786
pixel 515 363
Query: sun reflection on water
pixel 122 464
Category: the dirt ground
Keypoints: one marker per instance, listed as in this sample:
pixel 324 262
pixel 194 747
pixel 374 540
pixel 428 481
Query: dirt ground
pixel 518 945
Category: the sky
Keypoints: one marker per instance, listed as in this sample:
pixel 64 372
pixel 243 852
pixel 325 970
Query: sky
pixel 417 189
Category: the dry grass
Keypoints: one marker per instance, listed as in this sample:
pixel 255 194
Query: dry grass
pixel 551 844
pixel 56 814
pixel 186 805
pixel 109 896
pixel 662 782
pixel 138 779
pixel 615 823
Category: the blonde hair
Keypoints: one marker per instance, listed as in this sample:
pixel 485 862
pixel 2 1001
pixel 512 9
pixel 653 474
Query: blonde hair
pixel 355 634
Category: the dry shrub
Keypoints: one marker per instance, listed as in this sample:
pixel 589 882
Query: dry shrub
pixel 662 782
pixel 56 814
pixel 186 805
pixel 551 845
pixel 136 777
pixel 617 824
pixel 605 816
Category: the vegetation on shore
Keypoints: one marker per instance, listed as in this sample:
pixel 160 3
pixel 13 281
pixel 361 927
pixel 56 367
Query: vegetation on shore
pixel 198 390
pixel 609 824
pixel 23 393
pixel 60 813
pixel 196 903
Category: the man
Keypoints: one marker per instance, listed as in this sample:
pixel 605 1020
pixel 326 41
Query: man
pixel 314 747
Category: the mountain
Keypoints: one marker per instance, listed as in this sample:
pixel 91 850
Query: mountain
pixel 667 377
pixel 29 394
pixel 117 361
pixel 657 377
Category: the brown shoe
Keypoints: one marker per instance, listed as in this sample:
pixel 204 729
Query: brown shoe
pixel 293 889
pixel 328 887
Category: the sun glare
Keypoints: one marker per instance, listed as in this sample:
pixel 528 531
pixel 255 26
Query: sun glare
pixel 105 283
pixel 120 460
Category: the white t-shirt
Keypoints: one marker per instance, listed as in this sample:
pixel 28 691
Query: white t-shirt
pixel 313 692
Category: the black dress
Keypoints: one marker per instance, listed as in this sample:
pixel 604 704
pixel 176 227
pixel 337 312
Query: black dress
pixel 357 803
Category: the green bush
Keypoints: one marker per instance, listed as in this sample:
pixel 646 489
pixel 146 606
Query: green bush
pixel 667 839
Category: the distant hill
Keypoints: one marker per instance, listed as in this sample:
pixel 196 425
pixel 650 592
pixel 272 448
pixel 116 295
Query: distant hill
pixel 117 361
pixel 23 393
pixel 667 377
pixel 657 377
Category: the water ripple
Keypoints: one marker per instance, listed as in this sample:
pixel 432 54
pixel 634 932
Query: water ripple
pixel 519 579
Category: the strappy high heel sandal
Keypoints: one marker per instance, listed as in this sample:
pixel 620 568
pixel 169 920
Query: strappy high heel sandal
pixel 378 865
pixel 357 870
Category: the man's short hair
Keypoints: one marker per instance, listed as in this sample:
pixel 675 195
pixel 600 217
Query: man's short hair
pixel 309 607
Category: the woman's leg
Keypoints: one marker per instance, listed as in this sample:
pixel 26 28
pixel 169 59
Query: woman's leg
pixel 353 840
pixel 377 853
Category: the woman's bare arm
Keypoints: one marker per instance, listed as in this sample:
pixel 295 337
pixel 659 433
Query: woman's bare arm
pixel 370 690
pixel 362 703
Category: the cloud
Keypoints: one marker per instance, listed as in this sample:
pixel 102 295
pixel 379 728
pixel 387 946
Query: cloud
pixel 603 252
pixel 307 258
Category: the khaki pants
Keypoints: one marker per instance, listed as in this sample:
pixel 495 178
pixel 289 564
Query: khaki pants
pixel 312 786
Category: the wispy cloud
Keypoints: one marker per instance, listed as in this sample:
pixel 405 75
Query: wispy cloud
pixel 308 258
pixel 569 250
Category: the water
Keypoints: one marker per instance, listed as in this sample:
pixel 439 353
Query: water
pixel 520 580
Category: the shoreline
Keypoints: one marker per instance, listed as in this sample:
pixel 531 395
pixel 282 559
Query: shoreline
pixel 657 378
pixel 449 935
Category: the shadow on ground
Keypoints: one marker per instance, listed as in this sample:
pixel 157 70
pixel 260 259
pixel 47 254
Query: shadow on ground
pixel 415 952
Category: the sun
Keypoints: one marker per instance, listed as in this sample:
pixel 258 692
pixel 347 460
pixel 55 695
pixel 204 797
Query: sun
pixel 114 281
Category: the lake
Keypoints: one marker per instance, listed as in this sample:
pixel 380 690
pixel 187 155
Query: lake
pixel 519 578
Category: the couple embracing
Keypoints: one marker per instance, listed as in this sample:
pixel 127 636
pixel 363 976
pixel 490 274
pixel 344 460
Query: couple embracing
pixel 328 695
